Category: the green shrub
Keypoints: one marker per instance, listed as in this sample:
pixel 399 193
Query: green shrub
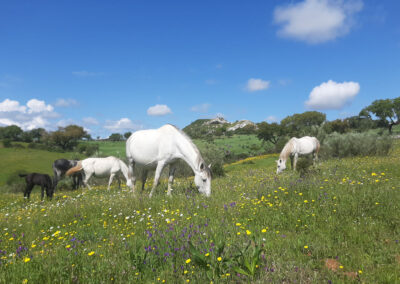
pixel 88 149
pixel 355 144
pixel 7 143
pixel 303 165
pixel 217 170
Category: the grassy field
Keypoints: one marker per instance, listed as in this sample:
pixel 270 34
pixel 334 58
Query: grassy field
pixel 338 224
pixel 17 160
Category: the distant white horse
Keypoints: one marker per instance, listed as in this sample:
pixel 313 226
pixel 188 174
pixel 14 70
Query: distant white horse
pixel 101 167
pixel 156 148
pixel 294 148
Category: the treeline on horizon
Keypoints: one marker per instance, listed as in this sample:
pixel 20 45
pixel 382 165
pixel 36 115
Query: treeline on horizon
pixel 386 113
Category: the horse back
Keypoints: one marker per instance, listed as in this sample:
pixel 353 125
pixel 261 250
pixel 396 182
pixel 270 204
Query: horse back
pixel 147 146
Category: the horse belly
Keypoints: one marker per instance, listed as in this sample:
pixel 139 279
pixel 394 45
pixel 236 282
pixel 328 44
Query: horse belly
pixel 306 148
pixel 145 150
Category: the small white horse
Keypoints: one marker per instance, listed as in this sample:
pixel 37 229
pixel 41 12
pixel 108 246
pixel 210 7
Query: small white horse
pixel 294 148
pixel 101 167
pixel 156 148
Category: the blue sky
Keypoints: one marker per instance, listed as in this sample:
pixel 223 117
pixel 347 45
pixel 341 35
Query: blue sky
pixel 116 66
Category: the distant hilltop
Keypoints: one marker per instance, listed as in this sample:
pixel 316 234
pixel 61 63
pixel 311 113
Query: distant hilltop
pixel 219 126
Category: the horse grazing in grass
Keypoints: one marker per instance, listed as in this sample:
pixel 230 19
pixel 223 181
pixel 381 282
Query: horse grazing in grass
pixel 156 148
pixel 43 180
pixel 294 148
pixel 60 167
pixel 100 167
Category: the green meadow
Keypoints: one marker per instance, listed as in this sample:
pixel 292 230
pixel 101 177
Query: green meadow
pixel 20 160
pixel 339 223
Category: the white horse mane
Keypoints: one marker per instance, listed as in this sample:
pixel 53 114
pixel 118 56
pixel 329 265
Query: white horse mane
pixel 287 150
pixel 199 157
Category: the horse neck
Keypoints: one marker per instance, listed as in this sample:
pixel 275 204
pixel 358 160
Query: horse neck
pixel 124 169
pixel 287 150
pixel 190 154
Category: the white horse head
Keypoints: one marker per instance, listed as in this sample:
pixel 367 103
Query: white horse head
pixel 202 179
pixel 281 165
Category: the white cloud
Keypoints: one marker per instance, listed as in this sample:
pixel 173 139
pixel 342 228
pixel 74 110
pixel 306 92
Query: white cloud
pixel 35 105
pixel 84 73
pixel 90 120
pixel 66 102
pixel 272 119
pixel 257 85
pixel 332 95
pixel 9 106
pixel 35 114
pixel 159 110
pixel 124 124
pixel 316 21
pixel 202 108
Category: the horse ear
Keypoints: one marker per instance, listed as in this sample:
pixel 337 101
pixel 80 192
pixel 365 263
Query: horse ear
pixel 209 166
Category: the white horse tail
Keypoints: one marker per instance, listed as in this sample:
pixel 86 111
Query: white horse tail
pixel 75 169
pixel 318 145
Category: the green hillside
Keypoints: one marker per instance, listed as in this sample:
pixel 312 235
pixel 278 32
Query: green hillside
pixel 16 160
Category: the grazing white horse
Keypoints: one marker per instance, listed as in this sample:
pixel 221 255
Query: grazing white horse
pixel 156 148
pixel 101 167
pixel 294 148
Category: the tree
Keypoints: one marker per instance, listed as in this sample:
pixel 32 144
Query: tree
pixel 67 137
pixel 12 132
pixel 361 123
pixel 301 124
pixel 387 111
pixel 127 134
pixel 338 125
pixel 115 137
pixel 34 135
pixel 269 132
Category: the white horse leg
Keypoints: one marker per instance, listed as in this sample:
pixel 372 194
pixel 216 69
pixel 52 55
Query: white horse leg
pixel 144 178
pixel 85 181
pixel 172 168
pixel 119 181
pixel 159 169
pixel 131 174
pixel 295 161
pixel 110 181
pixel 315 160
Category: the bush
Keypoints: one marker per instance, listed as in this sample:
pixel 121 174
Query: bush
pixel 211 155
pixel 217 170
pixel 303 165
pixel 88 149
pixel 355 144
pixel 7 143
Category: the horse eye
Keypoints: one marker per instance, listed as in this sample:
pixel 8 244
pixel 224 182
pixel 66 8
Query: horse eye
pixel 201 166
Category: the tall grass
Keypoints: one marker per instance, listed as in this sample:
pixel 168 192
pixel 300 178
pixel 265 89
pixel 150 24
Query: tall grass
pixel 256 228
